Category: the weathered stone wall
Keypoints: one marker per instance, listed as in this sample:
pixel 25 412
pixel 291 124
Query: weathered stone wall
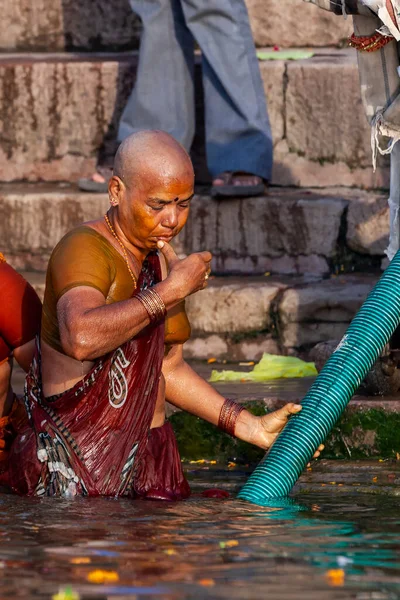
pixel 55 114
pixel 33 221
pixel 56 111
pixel 311 313
pixel 324 115
pixel 94 25
pixel 89 25
pixel 290 23
pixel 327 139
pixel 291 232
pixel 280 316
pixel 282 232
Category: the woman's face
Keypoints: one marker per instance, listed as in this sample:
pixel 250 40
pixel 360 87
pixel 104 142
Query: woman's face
pixel 156 209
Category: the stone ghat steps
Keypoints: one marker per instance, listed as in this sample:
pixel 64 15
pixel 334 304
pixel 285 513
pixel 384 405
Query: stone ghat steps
pixel 103 25
pixel 288 231
pixel 56 110
pixel 239 318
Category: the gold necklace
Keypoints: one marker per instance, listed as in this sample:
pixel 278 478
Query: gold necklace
pixel 124 252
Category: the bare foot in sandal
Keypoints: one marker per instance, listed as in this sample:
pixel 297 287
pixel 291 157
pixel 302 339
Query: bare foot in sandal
pixel 237 183
pixel 98 182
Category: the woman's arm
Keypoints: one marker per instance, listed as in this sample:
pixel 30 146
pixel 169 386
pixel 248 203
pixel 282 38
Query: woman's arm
pixel 90 328
pixel 188 391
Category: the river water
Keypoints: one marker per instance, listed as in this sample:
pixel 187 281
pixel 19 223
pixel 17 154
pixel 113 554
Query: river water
pixel 328 545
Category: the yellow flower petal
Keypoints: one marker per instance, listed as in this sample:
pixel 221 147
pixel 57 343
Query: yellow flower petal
pixel 80 560
pixel 207 582
pixel 229 544
pixel 66 594
pixel 335 577
pixel 100 576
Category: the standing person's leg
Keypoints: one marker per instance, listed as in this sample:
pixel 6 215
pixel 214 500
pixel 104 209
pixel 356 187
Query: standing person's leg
pixel 394 202
pixel 394 207
pixel 163 95
pixel 238 133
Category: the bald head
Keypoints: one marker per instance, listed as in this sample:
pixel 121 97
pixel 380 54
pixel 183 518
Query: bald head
pixel 151 155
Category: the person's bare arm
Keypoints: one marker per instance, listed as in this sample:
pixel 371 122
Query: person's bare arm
pixel 24 355
pixel 90 328
pixel 6 395
pixel 185 389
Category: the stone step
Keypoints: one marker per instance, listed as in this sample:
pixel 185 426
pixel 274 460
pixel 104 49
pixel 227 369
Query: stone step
pixel 240 318
pixel 102 25
pixel 287 231
pixel 232 466
pixel 56 110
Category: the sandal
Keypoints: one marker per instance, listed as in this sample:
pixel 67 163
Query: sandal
pixel 232 189
pixel 97 187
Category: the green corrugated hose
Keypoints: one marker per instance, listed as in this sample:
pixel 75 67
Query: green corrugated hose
pixel 327 398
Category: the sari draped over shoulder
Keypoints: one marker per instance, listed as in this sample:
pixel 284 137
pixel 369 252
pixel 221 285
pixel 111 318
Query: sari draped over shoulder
pixel 95 438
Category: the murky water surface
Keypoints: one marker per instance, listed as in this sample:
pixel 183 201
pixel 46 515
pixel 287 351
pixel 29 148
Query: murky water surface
pixel 326 546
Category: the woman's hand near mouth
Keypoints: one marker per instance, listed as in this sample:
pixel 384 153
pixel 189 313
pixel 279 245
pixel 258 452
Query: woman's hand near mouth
pixel 186 276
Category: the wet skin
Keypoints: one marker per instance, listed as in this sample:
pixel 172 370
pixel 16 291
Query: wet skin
pixel 150 195
pixel 23 355
pixel 154 208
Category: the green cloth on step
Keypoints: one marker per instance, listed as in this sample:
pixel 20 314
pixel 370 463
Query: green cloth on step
pixel 284 54
pixel 269 367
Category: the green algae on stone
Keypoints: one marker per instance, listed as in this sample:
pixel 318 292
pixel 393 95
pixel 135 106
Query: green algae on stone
pixel 198 439
pixel 360 434
pixel 365 434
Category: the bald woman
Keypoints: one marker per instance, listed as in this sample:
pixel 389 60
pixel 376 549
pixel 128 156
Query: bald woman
pixel 114 324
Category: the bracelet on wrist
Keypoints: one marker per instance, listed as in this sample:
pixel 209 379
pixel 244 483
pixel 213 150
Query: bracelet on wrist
pixel 229 415
pixel 153 304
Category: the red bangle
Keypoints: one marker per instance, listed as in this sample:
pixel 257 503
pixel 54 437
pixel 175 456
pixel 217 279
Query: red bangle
pixel 229 415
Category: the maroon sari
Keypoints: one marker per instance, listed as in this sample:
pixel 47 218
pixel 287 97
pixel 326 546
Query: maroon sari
pixel 95 439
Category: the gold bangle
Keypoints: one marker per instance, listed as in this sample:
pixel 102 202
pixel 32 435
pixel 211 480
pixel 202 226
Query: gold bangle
pixel 153 304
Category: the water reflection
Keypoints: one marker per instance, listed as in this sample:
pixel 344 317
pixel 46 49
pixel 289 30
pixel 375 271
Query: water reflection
pixel 317 547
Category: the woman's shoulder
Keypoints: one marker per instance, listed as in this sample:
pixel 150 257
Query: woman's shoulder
pixel 85 238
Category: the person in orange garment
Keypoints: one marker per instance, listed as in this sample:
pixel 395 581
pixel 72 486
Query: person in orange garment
pixel 110 352
pixel 20 316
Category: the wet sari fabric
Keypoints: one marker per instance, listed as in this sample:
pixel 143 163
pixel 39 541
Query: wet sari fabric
pixel 95 439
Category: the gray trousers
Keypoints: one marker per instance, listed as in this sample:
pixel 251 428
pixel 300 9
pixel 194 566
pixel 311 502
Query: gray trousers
pixel 394 202
pixel 238 133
